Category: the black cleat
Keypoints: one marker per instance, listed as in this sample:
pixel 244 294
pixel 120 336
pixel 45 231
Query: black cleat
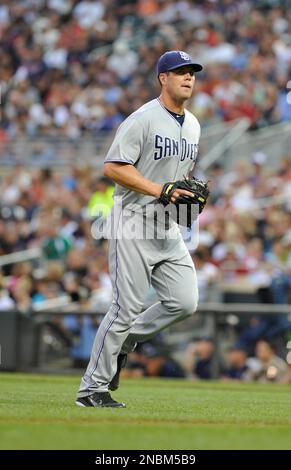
pixel 99 400
pixel 121 362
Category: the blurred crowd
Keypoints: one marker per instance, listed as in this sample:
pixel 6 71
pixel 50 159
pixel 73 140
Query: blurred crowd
pixel 72 68
pixel 54 212
pixel 263 364
pixel 244 232
pixel 200 361
pixel 244 243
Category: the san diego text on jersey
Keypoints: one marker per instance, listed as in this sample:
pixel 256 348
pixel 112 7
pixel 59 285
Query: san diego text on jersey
pixel 168 147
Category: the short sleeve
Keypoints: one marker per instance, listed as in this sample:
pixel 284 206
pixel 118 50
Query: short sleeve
pixel 128 143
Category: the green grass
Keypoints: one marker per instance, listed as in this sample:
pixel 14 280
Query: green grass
pixel 38 412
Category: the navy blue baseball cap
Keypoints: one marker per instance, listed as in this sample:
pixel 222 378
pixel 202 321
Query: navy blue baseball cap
pixel 173 59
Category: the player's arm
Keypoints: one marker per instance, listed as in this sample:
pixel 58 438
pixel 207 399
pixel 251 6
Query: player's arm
pixel 129 177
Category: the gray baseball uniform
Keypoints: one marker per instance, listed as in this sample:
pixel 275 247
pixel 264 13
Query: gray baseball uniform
pixel 162 150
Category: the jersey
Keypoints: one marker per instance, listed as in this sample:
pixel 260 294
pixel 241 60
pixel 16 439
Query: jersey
pixel 160 148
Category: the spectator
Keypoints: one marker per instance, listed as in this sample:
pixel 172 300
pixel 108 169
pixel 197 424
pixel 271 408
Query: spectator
pixel 55 246
pixel 101 200
pixel 199 359
pixel 237 365
pixel 148 360
pixel 271 367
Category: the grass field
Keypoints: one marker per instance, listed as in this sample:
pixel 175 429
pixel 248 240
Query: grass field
pixel 38 412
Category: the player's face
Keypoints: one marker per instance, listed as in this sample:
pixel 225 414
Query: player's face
pixel 179 83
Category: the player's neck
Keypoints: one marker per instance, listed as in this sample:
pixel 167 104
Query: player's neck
pixel 172 105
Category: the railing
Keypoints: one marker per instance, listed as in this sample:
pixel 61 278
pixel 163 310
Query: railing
pixel 219 142
pixel 21 256
pixel 55 152
pixel 224 143
pixel 274 141
pixel 207 307
pixel 59 152
pixel 23 340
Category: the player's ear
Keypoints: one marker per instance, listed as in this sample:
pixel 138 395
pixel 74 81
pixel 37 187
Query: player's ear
pixel 162 78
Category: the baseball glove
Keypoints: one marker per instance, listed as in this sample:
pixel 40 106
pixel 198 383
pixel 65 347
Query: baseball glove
pixel 198 188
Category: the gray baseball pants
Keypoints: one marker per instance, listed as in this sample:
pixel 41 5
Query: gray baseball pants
pixel 135 264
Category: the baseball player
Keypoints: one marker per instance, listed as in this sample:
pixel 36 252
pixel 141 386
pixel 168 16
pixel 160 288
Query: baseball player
pixel 155 144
